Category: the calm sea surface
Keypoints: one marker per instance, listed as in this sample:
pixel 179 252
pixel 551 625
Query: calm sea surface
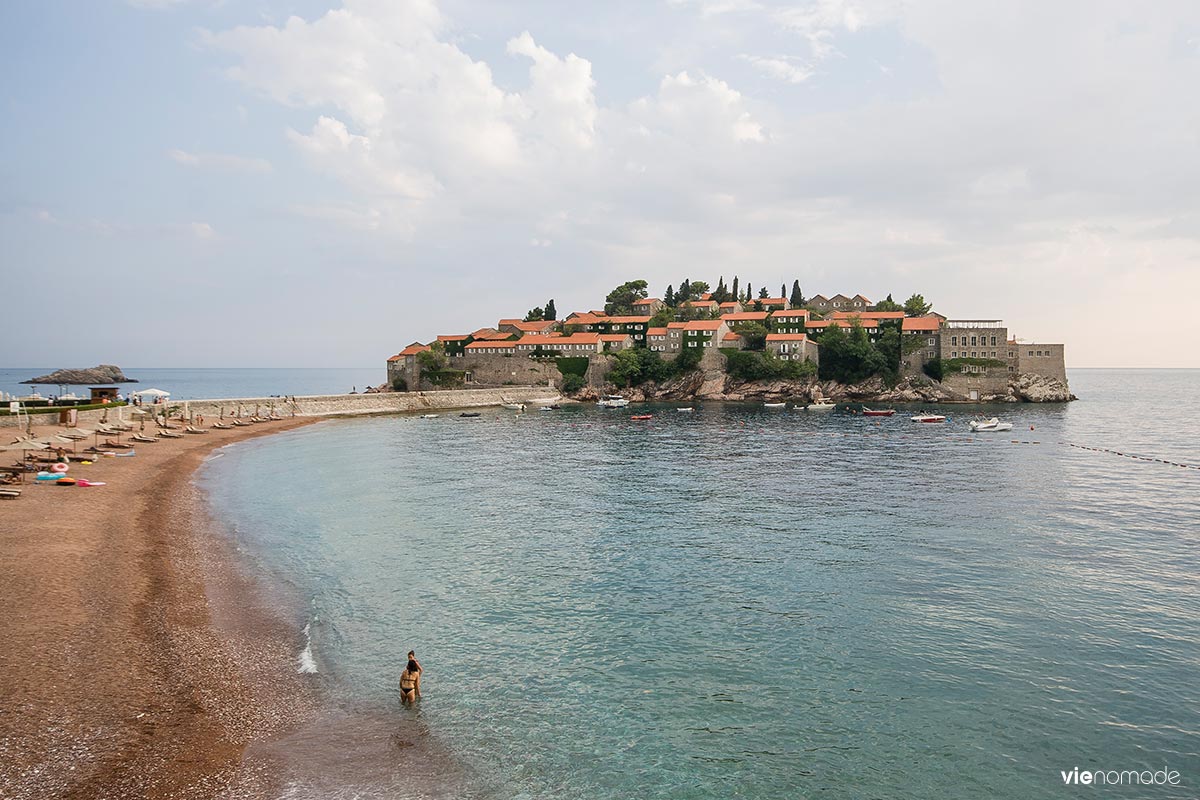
pixel 193 384
pixel 749 603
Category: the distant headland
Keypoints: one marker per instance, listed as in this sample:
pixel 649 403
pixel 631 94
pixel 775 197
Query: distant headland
pixel 98 375
pixel 729 343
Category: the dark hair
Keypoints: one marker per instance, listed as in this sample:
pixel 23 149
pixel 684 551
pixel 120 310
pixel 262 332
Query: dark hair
pixel 412 665
pixel 412 653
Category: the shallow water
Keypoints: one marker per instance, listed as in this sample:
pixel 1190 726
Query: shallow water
pixel 750 603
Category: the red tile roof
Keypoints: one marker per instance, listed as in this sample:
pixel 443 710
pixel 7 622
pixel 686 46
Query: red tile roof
pixel 509 321
pixel 787 337
pixel 556 341
pixel 870 314
pixel 676 324
pixel 771 301
pixel 482 332
pixel 411 350
pixel 647 301
pixel 481 345
pixel 731 337
pixel 921 324
pixel 656 331
pixel 730 304
pixel 452 338
pixel 703 325
pixel 746 316
pixel 797 313
pixel 537 325
pixel 638 318
pixel 613 337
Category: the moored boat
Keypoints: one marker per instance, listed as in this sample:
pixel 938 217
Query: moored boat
pixel 642 416
pixel 990 425
pixel 774 405
pixel 471 414
pixel 513 406
pixel 878 412
pixel 687 410
pixel 820 405
pixel 928 418
pixel 612 401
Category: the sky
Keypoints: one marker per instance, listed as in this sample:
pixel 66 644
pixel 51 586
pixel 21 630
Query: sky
pixel 291 183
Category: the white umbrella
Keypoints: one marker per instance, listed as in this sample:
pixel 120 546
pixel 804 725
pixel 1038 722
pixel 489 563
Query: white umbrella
pixel 152 393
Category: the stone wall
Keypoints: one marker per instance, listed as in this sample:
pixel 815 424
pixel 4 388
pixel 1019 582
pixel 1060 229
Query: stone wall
pixel 1046 360
pixel 974 386
pixel 323 405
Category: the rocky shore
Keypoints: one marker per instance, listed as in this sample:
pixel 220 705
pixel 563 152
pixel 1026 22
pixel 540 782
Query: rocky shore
pixel 717 385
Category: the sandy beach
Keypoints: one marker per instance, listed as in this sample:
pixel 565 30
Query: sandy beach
pixel 137 659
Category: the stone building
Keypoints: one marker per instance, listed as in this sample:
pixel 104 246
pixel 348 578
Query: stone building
pixel 656 339
pixel 927 328
pixel 973 338
pixel 793 346
pixel 730 307
pixel 791 321
pixel 705 333
pixel 1029 358
pixel 648 307
pixel 404 366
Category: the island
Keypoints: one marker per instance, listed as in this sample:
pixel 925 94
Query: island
pixel 729 343
pixel 101 375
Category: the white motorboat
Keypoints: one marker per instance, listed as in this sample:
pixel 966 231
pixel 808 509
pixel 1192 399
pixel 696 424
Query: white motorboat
pixel 687 410
pixel 513 406
pixel 774 405
pixel 821 405
pixel 612 401
pixel 990 425
pixel 429 416
pixel 928 418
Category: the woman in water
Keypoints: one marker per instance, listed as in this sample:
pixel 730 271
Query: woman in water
pixel 410 682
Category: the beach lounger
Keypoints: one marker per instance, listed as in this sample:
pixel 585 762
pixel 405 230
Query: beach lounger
pixel 221 427
pixel 117 445
pixel 10 494
pixel 190 429
pixel 139 438
pixel 241 424
pixel 166 434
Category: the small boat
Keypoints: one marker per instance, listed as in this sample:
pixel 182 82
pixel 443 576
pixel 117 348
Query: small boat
pixel 774 405
pixel 642 416
pixel 687 410
pixel 429 416
pixel 546 408
pixel 612 401
pixel 821 405
pixel 552 402
pixel 928 418
pixel 513 406
pixel 882 412
pixel 990 425
pixel 469 414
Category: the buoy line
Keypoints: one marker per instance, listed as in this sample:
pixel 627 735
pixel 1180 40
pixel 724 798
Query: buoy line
pixel 1135 456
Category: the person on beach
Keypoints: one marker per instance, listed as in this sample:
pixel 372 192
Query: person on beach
pixel 61 455
pixel 410 682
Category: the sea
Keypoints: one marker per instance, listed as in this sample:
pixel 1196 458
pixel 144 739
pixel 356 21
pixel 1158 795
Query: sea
pixel 741 602
pixel 211 384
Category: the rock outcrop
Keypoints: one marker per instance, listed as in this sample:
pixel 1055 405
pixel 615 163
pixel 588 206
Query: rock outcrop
pixel 717 385
pixel 96 376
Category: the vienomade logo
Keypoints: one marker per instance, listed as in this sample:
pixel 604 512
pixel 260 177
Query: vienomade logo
pixel 1162 777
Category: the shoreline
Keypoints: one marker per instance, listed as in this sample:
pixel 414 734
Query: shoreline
pixel 144 657
pixel 140 657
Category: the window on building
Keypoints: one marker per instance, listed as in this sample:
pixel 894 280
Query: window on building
pixel 974 340
pixel 931 341
pixel 1030 352
pixel 954 341
pixel 993 341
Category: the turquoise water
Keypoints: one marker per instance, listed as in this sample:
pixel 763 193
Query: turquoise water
pixel 751 603
pixel 193 384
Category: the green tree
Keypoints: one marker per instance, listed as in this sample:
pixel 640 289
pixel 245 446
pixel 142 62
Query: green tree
pixel 888 304
pixel 688 359
pixel 662 317
pixel 621 299
pixel 797 298
pixel 754 334
pixel 685 292
pixel 749 291
pixel 551 313
pixel 783 290
pixel 669 296
pixel 535 315
pixel 916 306
pixel 762 293
pixel 720 294
pixel 734 289
pixel 696 289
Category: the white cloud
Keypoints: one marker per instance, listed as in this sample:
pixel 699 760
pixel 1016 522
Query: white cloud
pixel 780 68
pixel 220 161
pixel 713 8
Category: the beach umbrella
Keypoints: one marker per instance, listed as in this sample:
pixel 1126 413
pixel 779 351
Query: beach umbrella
pixel 156 393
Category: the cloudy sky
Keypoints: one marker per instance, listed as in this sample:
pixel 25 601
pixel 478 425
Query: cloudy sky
pixel 303 183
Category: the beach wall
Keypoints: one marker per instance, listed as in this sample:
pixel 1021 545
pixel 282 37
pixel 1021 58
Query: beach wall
pixel 321 405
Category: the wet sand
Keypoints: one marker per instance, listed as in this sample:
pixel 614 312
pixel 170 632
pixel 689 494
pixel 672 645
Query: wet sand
pixel 115 678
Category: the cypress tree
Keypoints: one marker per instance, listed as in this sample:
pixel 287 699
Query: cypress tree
pixel 685 292
pixel 734 291
pixel 669 296
pixel 797 299
pixel 783 290
pixel 749 290
pixel 550 312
